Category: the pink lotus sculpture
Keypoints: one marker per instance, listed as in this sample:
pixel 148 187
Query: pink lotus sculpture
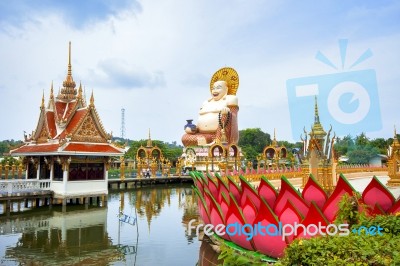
pixel 230 204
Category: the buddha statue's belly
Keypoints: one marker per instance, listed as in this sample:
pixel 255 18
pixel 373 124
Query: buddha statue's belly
pixel 207 122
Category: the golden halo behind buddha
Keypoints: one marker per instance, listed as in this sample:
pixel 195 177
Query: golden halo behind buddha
pixel 230 76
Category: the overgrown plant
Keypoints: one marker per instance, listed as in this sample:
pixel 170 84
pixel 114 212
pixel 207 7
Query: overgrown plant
pixel 351 211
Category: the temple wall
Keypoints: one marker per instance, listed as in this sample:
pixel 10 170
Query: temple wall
pixel 80 188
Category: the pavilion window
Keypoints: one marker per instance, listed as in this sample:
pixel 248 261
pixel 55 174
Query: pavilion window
pixel 31 171
pixel 86 171
pixel 44 172
pixel 58 172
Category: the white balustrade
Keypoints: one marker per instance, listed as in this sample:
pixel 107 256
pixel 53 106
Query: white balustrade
pixel 23 185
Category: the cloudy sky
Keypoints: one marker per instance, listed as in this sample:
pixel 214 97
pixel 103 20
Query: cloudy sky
pixel 155 59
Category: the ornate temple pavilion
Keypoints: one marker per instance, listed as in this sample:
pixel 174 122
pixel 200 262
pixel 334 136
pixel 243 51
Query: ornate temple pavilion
pixel 69 145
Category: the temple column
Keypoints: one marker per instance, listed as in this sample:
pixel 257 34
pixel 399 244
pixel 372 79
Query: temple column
pixel 38 169
pixel 26 170
pixel 51 171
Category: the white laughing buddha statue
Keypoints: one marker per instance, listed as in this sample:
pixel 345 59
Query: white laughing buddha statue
pixel 218 115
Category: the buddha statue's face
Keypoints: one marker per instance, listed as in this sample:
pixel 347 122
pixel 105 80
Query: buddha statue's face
pixel 219 90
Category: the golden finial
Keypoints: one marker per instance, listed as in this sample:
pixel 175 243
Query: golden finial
pixel 274 143
pixel 51 91
pixel 149 142
pixel 42 105
pixel 68 92
pixel 317 128
pixel 316 111
pixel 80 91
pixel 92 99
pixel 69 60
pixel 395 139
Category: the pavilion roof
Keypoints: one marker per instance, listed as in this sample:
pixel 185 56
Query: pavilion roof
pixel 68 125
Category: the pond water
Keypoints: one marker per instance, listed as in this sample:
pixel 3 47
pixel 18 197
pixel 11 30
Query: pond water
pixel 144 226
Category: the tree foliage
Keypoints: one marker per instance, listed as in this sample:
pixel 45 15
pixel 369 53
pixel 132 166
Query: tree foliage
pixel 7 145
pixel 360 150
pixel 381 144
pixel 343 145
pixel 169 151
pixel 361 154
pixel 252 141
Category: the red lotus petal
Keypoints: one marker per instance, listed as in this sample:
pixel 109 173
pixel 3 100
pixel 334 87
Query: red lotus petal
pixel 290 215
pixel 203 207
pixel 222 188
pixel 249 211
pixel 267 191
pixel 395 208
pixel 331 206
pixel 289 192
pixel 376 192
pixel 236 219
pixel 224 204
pixel 234 188
pixel 272 243
pixel 216 216
pixel 249 191
pixel 314 217
pixel 314 192
pixel 377 210
pixel 212 186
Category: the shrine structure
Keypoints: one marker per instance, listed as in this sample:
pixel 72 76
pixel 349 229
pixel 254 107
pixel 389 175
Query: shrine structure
pixel 150 160
pixel 317 156
pixel 273 156
pixel 69 146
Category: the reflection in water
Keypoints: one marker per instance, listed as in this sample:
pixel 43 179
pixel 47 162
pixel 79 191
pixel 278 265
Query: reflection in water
pixel 150 201
pixel 107 236
pixel 77 237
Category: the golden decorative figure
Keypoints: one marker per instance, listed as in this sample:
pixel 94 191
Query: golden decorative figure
pixel 122 168
pixel 7 167
pixel 394 162
pixel 249 165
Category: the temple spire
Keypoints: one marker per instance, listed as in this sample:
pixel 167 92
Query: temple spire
pixel 316 115
pixel 51 91
pixel 68 92
pixel 395 139
pixel 69 61
pixel 42 104
pixel 149 142
pixel 317 130
pixel 80 90
pixel 92 99
pixel 274 142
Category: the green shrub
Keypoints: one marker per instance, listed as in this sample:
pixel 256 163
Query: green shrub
pixel 354 249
